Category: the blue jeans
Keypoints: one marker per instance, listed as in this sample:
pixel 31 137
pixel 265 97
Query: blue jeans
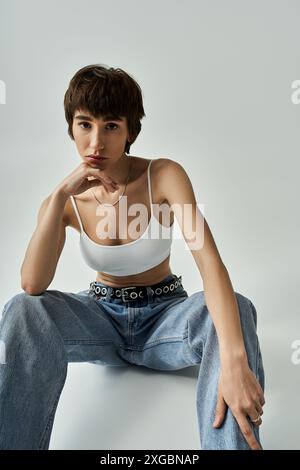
pixel 42 333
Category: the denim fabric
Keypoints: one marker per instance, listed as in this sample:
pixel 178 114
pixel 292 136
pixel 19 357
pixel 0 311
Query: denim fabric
pixel 42 333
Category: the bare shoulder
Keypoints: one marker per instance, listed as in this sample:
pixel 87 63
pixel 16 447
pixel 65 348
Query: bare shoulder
pixel 171 176
pixel 164 166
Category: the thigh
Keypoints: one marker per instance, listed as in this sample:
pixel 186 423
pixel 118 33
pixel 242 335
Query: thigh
pixel 176 331
pixel 84 325
pixel 170 332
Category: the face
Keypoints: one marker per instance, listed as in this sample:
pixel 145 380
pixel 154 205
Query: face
pixel 91 134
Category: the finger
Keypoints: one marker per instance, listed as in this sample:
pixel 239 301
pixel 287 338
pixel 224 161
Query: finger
pixel 98 172
pixel 255 413
pixel 100 177
pixel 246 429
pixel 110 186
pixel 261 393
pixel 96 182
pixel 220 411
pixel 255 417
pixel 262 399
pixel 259 409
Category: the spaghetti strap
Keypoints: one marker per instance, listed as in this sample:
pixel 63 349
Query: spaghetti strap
pixel 136 256
pixel 149 187
pixel 76 212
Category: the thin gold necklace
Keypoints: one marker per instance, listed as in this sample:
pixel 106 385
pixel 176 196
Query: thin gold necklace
pixel 120 197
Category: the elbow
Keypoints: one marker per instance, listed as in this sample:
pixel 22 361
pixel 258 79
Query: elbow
pixel 32 286
pixel 32 290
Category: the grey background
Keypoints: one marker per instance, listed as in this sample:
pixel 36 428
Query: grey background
pixel 216 79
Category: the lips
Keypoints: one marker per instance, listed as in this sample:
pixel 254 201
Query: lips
pixel 95 158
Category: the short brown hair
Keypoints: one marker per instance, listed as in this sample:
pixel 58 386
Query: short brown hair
pixel 105 91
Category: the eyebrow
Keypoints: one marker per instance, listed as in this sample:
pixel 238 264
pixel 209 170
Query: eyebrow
pixel 88 118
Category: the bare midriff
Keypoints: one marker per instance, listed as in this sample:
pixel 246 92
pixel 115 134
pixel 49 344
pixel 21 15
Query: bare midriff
pixel 137 192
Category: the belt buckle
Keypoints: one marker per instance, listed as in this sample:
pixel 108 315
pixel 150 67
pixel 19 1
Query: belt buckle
pixel 125 294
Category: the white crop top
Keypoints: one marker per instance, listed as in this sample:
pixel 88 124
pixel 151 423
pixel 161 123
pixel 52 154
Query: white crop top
pixel 134 257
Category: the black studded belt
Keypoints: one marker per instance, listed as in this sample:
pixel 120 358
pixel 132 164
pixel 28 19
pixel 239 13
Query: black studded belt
pixel 129 294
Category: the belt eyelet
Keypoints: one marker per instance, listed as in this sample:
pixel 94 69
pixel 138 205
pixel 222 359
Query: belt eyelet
pixel 138 294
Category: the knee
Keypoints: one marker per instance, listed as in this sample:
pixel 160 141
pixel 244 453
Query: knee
pixel 247 310
pixel 15 302
pixel 21 306
pixel 13 320
pixel 21 299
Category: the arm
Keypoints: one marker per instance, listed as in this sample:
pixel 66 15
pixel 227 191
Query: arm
pixel 45 246
pixel 218 290
pixel 238 386
pixel 48 239
pixel 221 302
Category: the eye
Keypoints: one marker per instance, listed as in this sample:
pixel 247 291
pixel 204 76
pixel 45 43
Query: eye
pixel 85 122
pixel 112 124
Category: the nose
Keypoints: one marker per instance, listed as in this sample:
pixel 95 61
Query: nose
pixel 96 140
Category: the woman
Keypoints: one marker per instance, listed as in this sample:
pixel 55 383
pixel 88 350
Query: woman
pixel 136 311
